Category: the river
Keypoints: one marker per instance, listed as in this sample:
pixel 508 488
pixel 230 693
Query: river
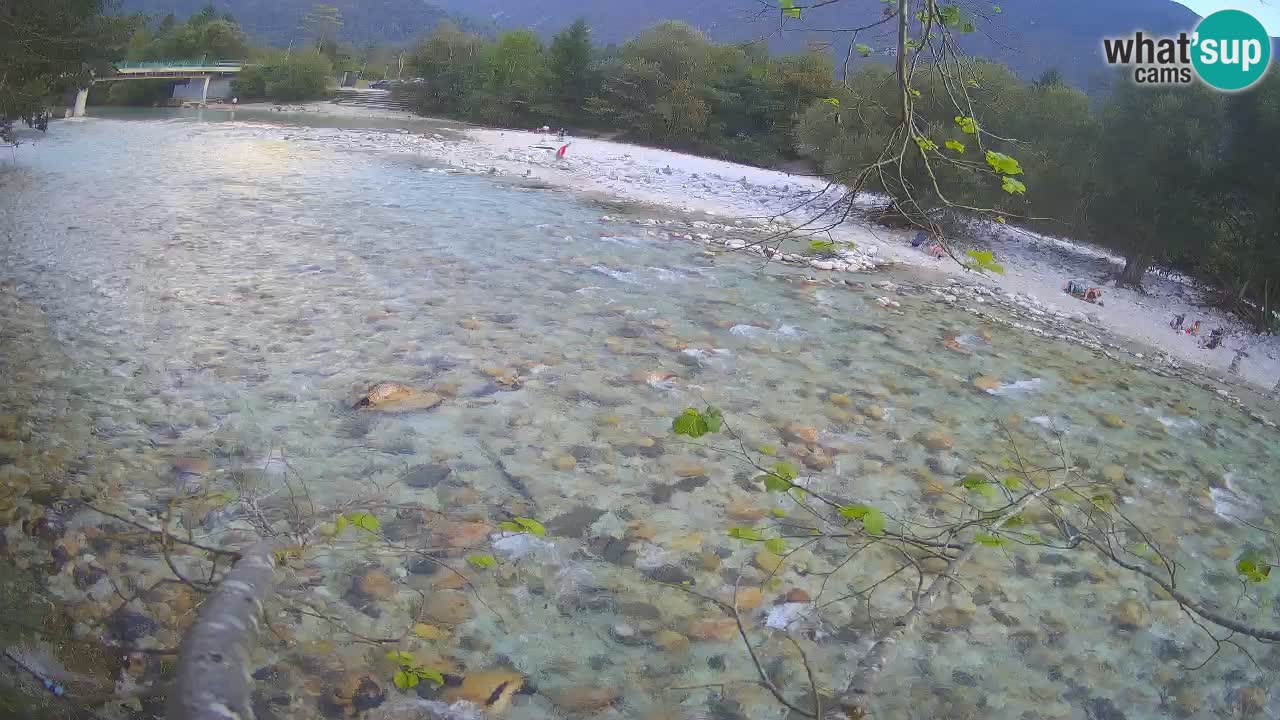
pixel 201 302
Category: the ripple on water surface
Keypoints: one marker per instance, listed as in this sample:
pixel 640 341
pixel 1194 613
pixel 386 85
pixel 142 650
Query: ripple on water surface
pixel 225 291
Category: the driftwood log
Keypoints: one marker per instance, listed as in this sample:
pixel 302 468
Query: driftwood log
pixel 215 660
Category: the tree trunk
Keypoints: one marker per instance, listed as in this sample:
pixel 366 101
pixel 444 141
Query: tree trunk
pixel 1134 268
pixel 214 661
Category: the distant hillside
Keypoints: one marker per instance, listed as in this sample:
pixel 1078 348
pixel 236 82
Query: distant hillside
pixel 277 21
pixel 1028 35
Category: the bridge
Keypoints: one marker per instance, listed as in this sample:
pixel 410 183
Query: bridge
pixel 189 69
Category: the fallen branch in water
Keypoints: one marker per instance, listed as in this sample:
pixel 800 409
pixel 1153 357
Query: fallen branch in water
pixel 213 682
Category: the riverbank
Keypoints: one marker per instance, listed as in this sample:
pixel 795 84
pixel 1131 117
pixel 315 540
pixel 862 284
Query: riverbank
pixel 1036 267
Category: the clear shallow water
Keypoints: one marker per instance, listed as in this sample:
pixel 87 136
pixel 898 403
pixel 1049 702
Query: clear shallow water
pixel 222 293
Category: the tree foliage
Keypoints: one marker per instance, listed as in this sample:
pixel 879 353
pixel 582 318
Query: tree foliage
pixel 50 46
pixel 669 86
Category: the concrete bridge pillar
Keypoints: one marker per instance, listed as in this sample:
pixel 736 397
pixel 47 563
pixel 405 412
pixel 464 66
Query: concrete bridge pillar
pixel 82 99
pixel 204 90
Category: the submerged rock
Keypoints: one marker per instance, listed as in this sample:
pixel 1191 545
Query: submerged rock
pixel 394 397
pixel 492 691
pixel 426 476
pixel 1130 615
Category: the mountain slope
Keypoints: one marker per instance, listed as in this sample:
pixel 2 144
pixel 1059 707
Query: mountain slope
pixel 1028 35
pixel 277 22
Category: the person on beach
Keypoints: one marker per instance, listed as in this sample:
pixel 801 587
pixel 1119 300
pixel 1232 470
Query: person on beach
pixel 1214 339
pixel 1194 329
pixel 1176 322
pixel 921 238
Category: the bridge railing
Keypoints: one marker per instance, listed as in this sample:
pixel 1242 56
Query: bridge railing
pixel 186 62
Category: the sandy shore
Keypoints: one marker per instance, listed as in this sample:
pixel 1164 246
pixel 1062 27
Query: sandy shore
pixel 1036 267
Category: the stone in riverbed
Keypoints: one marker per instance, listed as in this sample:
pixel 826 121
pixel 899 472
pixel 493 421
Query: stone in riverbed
pixel 796 595
pixel 491 691
pixel 446 607
pixel 1252 701
pixel 986 383
pixel 767 561
pixel 586 699
pixel 747 598
pixel 426 476
pixel 806 434
pixel 1113 421
pixel 374 585
pixel 466 534
pixel 716 629
pixel 575 522
pixel 1114 474
pixel 394 397
pixel 671 641
pixel 1130 615
pixel 129 627
pixel 672 574
pixel 936 440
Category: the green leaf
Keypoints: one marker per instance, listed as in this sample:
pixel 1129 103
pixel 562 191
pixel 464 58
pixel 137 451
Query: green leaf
pixel 777 546
pixel 773 483
pixel 532 526
pixel 873 520
pixel 832 101
pixel 768 450
pixel 405 680
pixel 341 523
pixel 400 658
pixel 365 521
pixel 955 145
pixel 967 124
pixel 482 561
pixel 949 15
pixel 988 539
pixel 742 533
pixel 1013 187
pixel 863 50
pixel 788 9
pixel 713 419
pixel 785 471
pixel 821 246
pixel 926 144
pixel 914 92
pixel 778 512
pixel 984 260
pixel 1013 482
pixel 428 674
pixel 967 26
pixel 696 424
pixel 1253 567
pixel 996 9
pixel 1102 502
pixel 1003 164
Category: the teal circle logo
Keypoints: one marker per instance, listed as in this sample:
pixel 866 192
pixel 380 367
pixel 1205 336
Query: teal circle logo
pixel 1231 50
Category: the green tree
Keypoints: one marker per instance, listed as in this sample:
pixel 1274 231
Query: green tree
pixel 569 63
pixel 323 24
pixel 50 46
pixel 451 64
pixel 1243 259
pixel 516 75
pixel 1152 194
pixel 300 77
